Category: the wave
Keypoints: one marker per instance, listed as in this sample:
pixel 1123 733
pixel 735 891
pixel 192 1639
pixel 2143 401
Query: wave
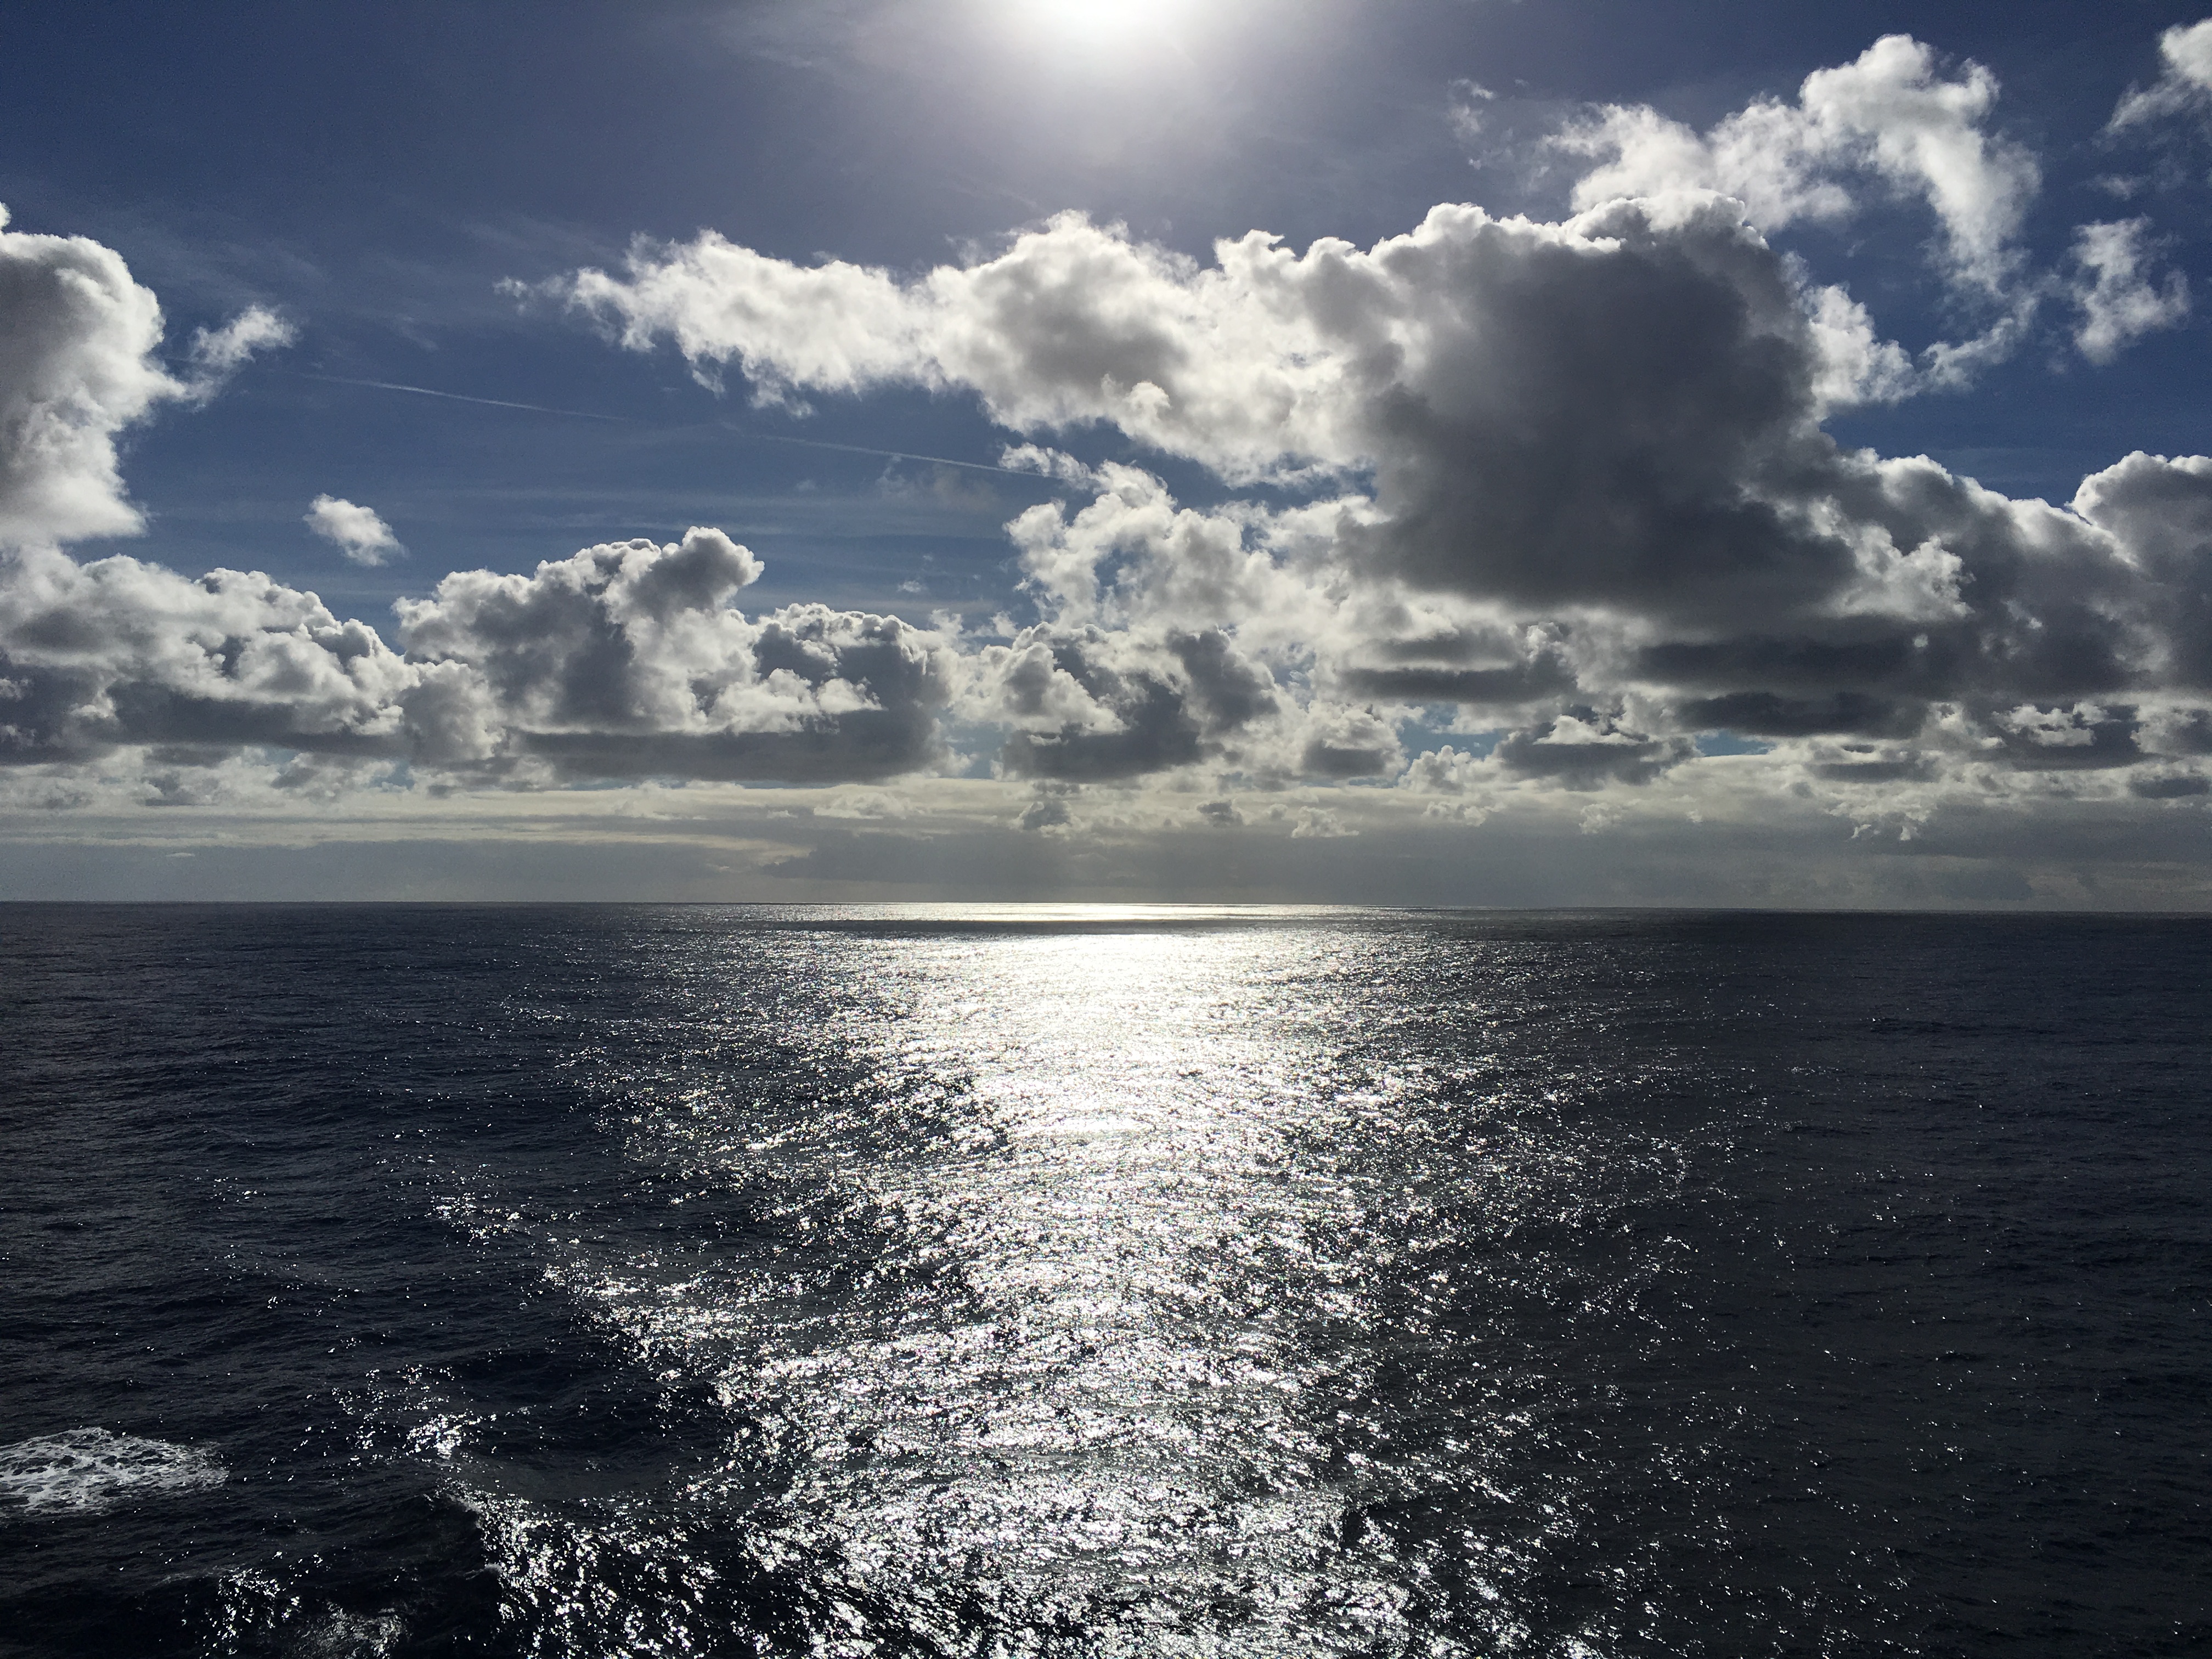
pixel 87 1470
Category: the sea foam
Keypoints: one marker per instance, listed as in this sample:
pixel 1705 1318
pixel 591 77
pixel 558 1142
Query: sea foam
pixel 91 1469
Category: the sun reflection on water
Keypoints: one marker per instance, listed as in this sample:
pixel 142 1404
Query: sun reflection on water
pixel 1050 1272
pixel 1077 1370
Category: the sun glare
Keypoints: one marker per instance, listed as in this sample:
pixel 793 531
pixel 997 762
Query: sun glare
pixel 1101 26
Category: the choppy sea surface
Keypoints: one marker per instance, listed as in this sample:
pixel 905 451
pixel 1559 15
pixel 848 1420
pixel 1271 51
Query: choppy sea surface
pixel 692 1280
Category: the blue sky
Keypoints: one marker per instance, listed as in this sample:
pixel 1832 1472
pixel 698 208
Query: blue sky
pixel 376 173
pixel 413 190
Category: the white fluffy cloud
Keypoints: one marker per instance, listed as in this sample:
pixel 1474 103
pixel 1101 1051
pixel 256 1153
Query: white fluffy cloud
pixel 79 340
pixel 2185 86
pixel 78 364
pixel 627 660
pixel 1508 338
pixel 118 652
pixel 1890 118
pixel 1891 124
pixel 2120 300
pixel 359 533
pixel 623 660
pixel 219 353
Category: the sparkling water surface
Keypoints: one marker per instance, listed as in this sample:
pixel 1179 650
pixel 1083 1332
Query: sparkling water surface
pixel 694 1281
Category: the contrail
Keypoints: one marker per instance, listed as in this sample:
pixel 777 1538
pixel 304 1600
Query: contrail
pixel 462 398
pixel 889 454
pixel 624 420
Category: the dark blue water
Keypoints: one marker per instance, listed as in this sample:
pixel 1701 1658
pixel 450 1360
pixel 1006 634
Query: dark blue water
pixel 679 1281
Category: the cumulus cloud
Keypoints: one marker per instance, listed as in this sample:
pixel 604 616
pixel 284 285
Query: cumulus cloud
pixel 2119 302
pixel 79 344
pixel 1446 771
pixel 625 661
pixel 78 364
pixel 2184 87
pixel 1890 118
pixel 118 652
pixel 2159 513
pixel 1618 415
pixel 1545 408
pixel 359 533
pixel 1572 476
pixel 1090 705
pixel 1564 485
pixel 218 354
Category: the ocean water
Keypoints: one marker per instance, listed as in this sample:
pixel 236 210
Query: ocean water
pixel 692 1280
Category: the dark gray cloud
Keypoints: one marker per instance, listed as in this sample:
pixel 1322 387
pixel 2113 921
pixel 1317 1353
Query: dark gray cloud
pixel 1479 667
pixel 2169 788
pixel 1321 758
pixel 1587 750
pixel 1623 419
pixel 1865 763
pixel 1768 714
pixel 1091 705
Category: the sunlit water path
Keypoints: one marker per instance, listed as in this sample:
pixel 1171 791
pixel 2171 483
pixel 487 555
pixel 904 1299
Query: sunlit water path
pixel 692 1280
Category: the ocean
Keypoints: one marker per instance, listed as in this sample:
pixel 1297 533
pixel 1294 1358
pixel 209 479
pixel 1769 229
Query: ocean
pixel 567 1281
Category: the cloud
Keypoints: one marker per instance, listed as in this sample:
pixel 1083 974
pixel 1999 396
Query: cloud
pixel 1567 483
pixel 121 653
pixel 2183 88
pixel 1617 413
pixel 625 661
pixel 79 363
pixel 1046 810
pixel 1446 771
pixel 1088 705
pixel 359 533
pixel 1574 474
pixel 217 354
pixel 2118 301
pixel 1319 823
pixel 1587 750
pixel 1545 407
pixel 1889 118
pixel 1347 742
pixel 1466 113
pixel 2159 513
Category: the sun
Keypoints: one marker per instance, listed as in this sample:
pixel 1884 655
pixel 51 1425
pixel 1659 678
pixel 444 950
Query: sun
pixel 1100 25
